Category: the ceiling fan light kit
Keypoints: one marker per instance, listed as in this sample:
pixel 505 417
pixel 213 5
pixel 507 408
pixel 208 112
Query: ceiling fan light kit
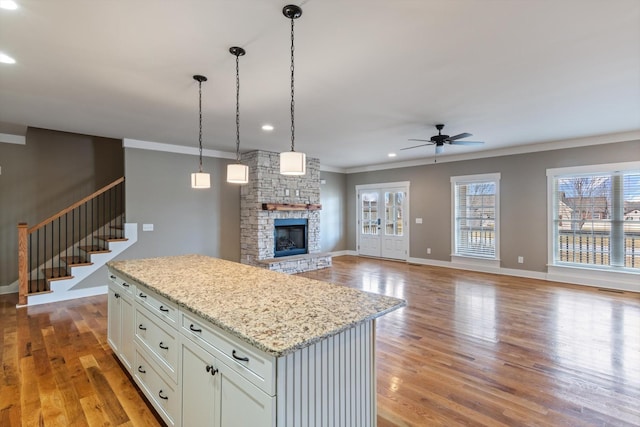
pixel 439 140
pixel 292 162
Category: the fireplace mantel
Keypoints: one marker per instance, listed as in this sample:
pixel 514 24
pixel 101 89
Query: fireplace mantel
pixel 291 206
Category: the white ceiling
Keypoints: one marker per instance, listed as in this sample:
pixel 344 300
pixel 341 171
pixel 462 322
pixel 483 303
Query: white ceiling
pixel 370 74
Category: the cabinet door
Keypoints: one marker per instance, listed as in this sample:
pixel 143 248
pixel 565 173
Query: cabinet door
pixel 242 403
pixel 127 350
pixel 114 321
pixel 200 387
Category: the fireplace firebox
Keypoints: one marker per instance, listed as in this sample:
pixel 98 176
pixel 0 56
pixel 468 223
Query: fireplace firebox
pixel 290 237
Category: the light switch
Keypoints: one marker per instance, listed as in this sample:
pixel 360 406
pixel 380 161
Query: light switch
pixel 147 227
pixel 418 220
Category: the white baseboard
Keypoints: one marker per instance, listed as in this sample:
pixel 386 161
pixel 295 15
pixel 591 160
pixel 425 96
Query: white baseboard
pixel 11 289
pixel 344 253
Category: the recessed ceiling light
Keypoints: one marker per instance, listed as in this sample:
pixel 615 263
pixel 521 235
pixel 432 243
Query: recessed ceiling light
pixel 6 59
pixel 267 128
pixel 8 4
pixel 392 154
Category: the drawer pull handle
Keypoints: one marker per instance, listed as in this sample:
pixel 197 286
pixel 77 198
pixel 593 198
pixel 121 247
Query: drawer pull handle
pixel 113 277
pixel 142 371
pixel 242 359
pixel 212 370
pixel 162 346
pixel 141 295
pixel 165 310
pixel 117 295
pixel 142 328
pixel 194 329
pixel 126 285
pixel 161 396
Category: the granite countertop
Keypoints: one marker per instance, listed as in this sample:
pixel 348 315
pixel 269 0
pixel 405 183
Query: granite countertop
pixel 275 312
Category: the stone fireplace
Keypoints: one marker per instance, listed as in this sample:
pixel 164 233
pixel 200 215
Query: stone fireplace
pixel 289 200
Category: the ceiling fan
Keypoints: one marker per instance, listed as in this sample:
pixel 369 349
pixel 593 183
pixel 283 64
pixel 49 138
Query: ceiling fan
pixel 439 140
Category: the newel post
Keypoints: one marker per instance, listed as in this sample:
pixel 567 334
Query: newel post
pixel 23 269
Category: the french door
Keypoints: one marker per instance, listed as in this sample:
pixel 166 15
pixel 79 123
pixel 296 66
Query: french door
pixel 383 220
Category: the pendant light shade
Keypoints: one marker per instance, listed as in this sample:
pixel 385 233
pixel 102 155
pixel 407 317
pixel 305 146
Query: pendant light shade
pixel 292 162
pixel 237 173
pixel 200 179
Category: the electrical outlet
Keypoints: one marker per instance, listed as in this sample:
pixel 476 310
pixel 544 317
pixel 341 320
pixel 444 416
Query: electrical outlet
pixel 286 192
pixel 147 227
pixel 520 260
pixel 418 220
pixel 428 251
pixel 297 193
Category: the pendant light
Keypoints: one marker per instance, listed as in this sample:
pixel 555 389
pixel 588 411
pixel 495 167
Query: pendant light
pixel 292 162
pixel 200 179
pixel 237 173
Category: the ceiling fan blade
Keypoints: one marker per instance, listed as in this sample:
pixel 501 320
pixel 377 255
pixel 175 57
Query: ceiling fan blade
pixel 466 142
pixel 416 146
pixel 459 136
pixel 423 140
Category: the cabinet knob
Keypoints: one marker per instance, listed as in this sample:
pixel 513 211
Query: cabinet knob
pixel 142 371
pixel 242 359
pixel 161 396
pixel 162 346
pixel 142 328
pixel 211 370
pixel 117 295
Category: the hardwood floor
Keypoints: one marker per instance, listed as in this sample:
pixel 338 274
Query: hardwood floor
pixel 470 349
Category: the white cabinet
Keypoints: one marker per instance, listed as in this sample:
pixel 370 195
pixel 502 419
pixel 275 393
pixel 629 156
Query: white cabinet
pixel 215 395
pixel 120 320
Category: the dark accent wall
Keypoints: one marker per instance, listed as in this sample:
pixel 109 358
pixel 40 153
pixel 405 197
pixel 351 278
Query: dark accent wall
pixel 523 199
pixel 50 172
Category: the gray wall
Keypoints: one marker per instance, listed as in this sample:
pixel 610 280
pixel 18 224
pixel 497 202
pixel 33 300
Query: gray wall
pixel 52 171
pixel 158 192
pixel 333 224
pixel 523 199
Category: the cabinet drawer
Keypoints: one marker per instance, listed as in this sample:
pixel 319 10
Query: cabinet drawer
pixel 122 284
pixel 163 395
pixel 158 305
pixel 159 340
pixel 256 366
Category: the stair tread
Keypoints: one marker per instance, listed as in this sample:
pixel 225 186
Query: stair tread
pixel 94 249
pixel 111 238
pixel 75 260
pixel 56 273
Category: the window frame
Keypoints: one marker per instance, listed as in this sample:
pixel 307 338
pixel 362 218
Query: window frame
pixel 586 170
pixel 480 260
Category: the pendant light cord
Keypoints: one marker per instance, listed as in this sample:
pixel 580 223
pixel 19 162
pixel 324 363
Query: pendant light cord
pixel 238 108
pixel 200 120
pixel 293 126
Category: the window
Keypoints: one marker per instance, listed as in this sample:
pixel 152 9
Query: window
pixel 591 211
pixel 475 216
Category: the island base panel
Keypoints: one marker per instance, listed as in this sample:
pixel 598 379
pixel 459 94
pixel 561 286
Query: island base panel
pixel 331 382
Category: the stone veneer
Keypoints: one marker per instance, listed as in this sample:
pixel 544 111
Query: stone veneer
pixel 266 185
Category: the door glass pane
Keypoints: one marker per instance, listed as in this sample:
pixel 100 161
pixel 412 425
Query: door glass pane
pixel 393 213
pixel 369 213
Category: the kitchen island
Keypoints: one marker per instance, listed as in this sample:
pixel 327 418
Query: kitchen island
pixel 214 342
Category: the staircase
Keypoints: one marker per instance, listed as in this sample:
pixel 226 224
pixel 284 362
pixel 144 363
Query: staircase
pixel 58 254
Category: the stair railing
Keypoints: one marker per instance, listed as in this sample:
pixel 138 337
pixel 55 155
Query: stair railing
pixel 45 248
